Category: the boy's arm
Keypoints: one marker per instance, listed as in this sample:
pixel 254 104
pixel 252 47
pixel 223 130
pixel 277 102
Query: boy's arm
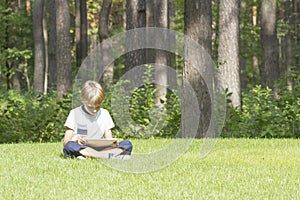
pixel 68 135
pixel 107 134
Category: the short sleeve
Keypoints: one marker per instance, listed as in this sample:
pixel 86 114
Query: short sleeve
pixel 107 120
pixel 70 122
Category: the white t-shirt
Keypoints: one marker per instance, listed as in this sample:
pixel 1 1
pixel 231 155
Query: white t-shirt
pixel 93 126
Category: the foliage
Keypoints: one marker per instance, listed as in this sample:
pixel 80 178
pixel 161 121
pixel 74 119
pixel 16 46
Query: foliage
pixel 234 169
pixel 16 45
pixel 261 115
pixel 179 16
pixel 147 120
pixel 265 116
pixel 116 20
pixel 31 117
pixel 39 118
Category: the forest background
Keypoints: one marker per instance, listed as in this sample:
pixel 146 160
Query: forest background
pixel 254 45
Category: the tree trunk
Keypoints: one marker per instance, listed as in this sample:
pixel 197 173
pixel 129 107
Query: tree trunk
pixel 270 60
pixel 255 57
pixel 64 67
pixel 243 44
pixel 7 71
pixel 150 22
pixel 297 27
pixel 104 20
pixel 228 50
pixel 198 22
pixel 45 32
pixel 198 26
pixel 83 31
pixel 28 4
pixel 107 78
pixel 52 61
pixel 77 33
pixel 19 4
pixel 16 80
pixel 39 46
pixel 171 25
pixel 135 18
pixel 162 58
pixel 288 43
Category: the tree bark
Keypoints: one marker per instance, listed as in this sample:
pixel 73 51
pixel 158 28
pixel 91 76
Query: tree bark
pixel 64 67
pixel 172 41
pixel 83 31
pixel 135 18
pixel 228 50
pixel 288 44
pixel 198 26
pixel 104 20
pixel 45 32
pixel 77 33
pixel 39 46
pixel 107 78
pixel 52 61
pixel 162 58
pixel 269 42
pixel 150 22
pixel 198 22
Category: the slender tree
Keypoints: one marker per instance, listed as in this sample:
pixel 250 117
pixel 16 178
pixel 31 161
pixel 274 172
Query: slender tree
pixel 288 41
pixel 77 33
pixel 52 61
pixel 64 67
pixel 172 41
pixel 28 7
pixel 81 31
pixel 256 55
pixel 103 31
pixel 198 26
pixel 269 42
pixel 39 46
pixel 45 33
pixel 162 58
pixel 228 50
pixel 17 74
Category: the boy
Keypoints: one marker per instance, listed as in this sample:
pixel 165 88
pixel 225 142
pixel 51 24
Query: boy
pixel 92 121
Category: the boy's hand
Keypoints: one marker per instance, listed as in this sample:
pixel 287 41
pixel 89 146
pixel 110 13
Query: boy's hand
pixel 81 140
pixel 115 144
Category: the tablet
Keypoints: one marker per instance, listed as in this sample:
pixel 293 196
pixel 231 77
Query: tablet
pixel 96 143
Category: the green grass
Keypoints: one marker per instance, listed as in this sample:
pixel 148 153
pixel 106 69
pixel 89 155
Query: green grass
pixel 234 169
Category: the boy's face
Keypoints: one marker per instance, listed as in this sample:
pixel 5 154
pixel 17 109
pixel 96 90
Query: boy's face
pixel 92 109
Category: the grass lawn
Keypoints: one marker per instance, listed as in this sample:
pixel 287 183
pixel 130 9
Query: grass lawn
pixel 234 169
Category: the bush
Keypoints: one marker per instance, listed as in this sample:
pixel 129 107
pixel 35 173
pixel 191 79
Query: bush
pixel 139 116
pixel 32 117
pixel 264 116
pixel 40 118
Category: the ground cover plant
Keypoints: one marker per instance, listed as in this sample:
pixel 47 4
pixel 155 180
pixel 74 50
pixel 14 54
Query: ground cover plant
pixel 234 169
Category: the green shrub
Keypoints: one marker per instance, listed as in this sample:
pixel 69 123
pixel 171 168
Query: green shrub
pixel 264 116
pixel 147 120
pixel 32 117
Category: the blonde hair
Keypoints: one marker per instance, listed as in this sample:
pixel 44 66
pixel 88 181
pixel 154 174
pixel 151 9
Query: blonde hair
pixel 92 93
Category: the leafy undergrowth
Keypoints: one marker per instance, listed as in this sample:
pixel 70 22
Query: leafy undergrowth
pixel 234 169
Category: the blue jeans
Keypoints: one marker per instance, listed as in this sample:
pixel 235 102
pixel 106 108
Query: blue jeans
pixel 72 148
